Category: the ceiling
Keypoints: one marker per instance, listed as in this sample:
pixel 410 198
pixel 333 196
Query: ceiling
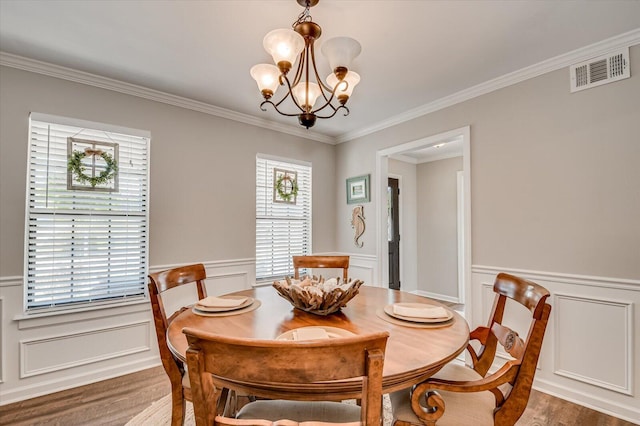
pixel 413 52
pixel 440 150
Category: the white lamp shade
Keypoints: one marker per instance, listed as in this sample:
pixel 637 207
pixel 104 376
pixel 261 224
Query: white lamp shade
pixel 340 51
pixel 283 45
pixel 352 78
pixel 267 76
pixel 304 97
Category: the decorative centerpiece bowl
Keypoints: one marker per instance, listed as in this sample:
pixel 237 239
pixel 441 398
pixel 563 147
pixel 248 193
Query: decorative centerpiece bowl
pixel 317 295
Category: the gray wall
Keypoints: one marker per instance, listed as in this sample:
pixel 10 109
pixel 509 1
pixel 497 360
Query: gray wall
pixel 202 209
pixel 554 175
pixel 202 205
pixel 437 228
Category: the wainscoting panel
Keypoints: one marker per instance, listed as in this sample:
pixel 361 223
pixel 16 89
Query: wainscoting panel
pixel 363 267
pixel 49 354
pixel 589 331
pixel 64 349
pixel 1 344
pixel 591 346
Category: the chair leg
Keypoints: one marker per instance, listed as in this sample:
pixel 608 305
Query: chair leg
pixel 178 407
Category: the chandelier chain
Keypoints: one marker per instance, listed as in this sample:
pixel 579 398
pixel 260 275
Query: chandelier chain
pixel 304 16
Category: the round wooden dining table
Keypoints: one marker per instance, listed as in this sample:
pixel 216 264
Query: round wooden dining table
pixel 412 355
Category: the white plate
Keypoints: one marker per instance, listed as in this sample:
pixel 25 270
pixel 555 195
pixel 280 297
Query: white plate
pixel 332 332
pixel 246 303
pixel 389 311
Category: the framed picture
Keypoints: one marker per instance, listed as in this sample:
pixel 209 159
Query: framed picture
pixel 358 189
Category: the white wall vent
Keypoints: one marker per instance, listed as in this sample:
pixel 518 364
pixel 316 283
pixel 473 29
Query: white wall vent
pixel 604 69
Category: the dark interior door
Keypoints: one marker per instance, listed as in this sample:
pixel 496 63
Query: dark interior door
pixel 393 225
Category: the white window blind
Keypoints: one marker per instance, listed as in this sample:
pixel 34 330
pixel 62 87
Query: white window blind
pixel 282 229
pixel 84 246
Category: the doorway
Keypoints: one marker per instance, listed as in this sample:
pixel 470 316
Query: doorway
pixel 393 232
pixel 384 250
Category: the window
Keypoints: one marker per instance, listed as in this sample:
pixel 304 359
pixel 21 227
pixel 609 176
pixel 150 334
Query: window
pixel 283 227
pixel 85 245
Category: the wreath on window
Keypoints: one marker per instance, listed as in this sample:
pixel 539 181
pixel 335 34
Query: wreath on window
pixel 76 167
pixel 286 187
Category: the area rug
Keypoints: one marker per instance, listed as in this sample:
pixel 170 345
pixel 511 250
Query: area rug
pixel 159 414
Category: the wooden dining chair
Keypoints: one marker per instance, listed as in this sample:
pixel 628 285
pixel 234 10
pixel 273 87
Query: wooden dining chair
pixel 159 283
pixel 459 394
pixel 337 262
pixel 281 368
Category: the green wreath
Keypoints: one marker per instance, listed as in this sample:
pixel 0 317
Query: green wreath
pixel 280 188
pixel 76 167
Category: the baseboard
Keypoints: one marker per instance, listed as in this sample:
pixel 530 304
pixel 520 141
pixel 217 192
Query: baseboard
pixel 73 381
pixel 621 411
pixel 436 296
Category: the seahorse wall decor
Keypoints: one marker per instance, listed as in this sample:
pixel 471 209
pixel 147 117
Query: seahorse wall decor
pixel 357 223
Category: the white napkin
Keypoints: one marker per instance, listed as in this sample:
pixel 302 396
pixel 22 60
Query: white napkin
pixel 426 312
pixel 219 302
pixel 310 333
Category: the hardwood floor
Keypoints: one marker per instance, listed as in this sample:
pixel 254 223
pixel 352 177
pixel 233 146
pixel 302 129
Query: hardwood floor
pixel 116 401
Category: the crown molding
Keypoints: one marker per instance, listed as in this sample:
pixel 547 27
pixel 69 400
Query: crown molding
pixel 627 39
pixel 64 73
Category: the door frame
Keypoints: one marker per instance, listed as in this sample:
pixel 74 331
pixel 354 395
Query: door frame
pixel 382 171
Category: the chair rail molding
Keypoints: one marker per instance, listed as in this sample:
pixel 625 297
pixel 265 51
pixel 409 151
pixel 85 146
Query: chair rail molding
pixel 586 280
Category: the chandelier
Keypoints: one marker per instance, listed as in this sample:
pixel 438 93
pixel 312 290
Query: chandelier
pixel 285 45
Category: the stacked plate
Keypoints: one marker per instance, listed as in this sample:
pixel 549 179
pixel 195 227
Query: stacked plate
pixel 314 333
pixel 213 305
pixel 419 313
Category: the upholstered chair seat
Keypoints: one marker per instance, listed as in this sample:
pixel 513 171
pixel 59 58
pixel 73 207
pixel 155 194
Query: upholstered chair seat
pixel 474 408
pixel 300 411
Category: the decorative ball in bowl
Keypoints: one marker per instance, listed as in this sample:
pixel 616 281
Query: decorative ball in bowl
pixel 317 295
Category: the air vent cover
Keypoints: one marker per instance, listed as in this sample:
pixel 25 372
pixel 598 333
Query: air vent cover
pixel 601 70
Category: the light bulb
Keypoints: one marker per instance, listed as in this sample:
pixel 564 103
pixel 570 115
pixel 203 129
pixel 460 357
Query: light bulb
pixel 306 98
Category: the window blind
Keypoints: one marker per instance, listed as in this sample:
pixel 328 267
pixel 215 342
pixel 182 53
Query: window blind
pixel 84 246
pixel 282 229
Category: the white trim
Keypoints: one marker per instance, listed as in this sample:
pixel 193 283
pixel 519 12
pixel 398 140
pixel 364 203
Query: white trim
pixel 284 159
pixel 12 281
pixel 44 68
pixel 2 344
pixel 460 233
pixel 359 256
pixel 72 381
pixel 49 318
pixel 76 122
pixel 627 389
pixel 586 280
pixel 628 39
pixel 622 411
pixel 24 344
